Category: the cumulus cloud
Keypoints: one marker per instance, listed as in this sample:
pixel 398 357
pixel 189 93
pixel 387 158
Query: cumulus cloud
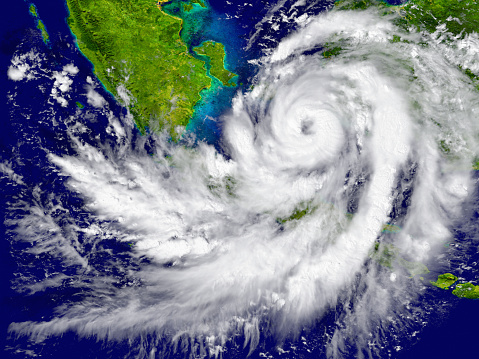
pixel 62 83
pixel 94 98
pixel 17 73
pixel 23 66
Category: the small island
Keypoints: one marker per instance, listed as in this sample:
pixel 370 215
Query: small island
pixel 299 212
pixel 466 290
pixel 40 24
pixel 33 10
pixel 462 290
pixel 189 6
pixel 391 228
pixel 444 281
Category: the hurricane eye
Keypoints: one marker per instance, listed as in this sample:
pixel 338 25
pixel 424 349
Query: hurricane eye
pixel 307 127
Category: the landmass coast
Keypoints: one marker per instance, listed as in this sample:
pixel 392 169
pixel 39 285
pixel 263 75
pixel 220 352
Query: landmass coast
pixel 137 50
pixel 462 290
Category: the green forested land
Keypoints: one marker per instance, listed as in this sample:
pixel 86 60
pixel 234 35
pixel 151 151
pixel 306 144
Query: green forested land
pixel 40 24
pixel 302 210
pixel 466 290
pixel 199 2
pixel 391 228
pixel 357 4
pixel 215 51
pixel 42 28
pixel 462 290
pixel 459 17
pixel 33 10
pixel 135 44
pixel 188 6
pixel 385 254
pixel 331 52
pixel 445 280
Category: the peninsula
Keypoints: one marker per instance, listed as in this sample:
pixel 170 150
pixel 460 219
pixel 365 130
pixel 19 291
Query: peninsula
pixel 136 50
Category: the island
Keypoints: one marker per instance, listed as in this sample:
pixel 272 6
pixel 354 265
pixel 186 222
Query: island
pixel 391 228
pixel 40 24
pixel 139 57
pixel 462 290
pixel 466 290
pixel 444 281
pixel 189 6
pixel 299 212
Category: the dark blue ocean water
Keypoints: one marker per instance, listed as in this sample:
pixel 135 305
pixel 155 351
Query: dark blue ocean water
pixel 449 334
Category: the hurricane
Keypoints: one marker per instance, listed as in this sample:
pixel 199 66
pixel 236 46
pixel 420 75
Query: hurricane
pixel 336 184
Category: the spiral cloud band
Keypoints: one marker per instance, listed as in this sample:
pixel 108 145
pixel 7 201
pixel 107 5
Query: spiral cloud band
pixel 321 154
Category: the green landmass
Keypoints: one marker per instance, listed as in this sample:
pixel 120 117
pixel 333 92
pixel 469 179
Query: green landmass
pixel 40 24
pixel 391 228
pixel 462 290
pixel 299 212
pixel 384 254
pixel 226 185
pixel 187 7
pixel 466 290
pixel 459 17
pixel 306 208
pixel 444 147
pixel 332 52
pixel 33 10
pixel 199 2
pixel 395 39
pixel 414 268
pixel 357 4
pixel 133 43
pixel 445 280
pixel 42 28
pixel 80 105
pixel 215 51
pixel 387 255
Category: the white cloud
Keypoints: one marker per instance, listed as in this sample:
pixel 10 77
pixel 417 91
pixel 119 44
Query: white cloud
pixel 314 134
pixel 23 66
pixel 62 83
pixel 17 73
pixel 94 98
pixel 71 69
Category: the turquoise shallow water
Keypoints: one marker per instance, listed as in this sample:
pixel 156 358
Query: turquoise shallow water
pixel 203 24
